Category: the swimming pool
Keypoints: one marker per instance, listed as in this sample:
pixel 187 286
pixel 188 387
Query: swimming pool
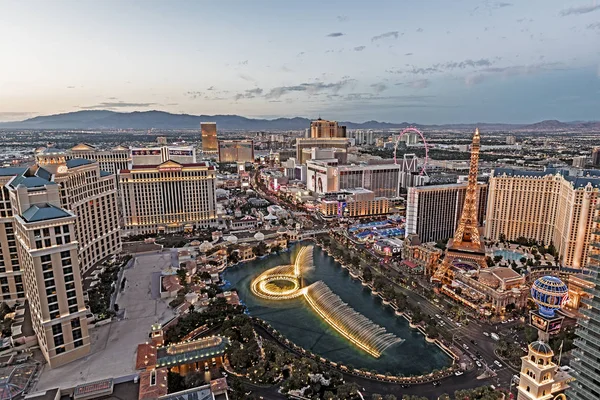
pixel 508 254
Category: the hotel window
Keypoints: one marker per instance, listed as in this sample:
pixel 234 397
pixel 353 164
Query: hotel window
pixel 60 350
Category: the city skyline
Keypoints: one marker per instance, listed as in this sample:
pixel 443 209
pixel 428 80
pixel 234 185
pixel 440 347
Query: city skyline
pixel 480 61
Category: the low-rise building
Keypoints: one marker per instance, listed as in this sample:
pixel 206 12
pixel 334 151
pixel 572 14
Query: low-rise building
pixel 490 289
pixel 353 203
pixel 420 257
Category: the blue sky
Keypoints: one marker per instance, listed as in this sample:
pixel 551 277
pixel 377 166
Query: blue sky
pixel 419 61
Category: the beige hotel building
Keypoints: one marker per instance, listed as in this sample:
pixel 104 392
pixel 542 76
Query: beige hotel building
pixel 548 206
pixel 169 197
pixel 63 220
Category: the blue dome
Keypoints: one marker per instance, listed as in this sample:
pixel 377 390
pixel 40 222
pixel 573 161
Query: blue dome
pixel 550 294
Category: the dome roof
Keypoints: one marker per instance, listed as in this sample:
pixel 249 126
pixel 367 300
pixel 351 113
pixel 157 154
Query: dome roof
pixel 232 239
pixel 205 246
pixel 541 348
pixel 259 236
pixel 282 230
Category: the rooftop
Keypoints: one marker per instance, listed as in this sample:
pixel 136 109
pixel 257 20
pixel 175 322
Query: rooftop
pixel 78 162
pixel 30 181
pixel 12 171
pixel 44 212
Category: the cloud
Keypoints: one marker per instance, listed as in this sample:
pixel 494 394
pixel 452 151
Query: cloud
pixel 595 25
pixel 502 5
pixel 335 34
pixel 342 18
pixel 245 62
pixel 360 48
pixel 419 84
pixel 420 30
pixel 474 79
pixel 310 88
pixel 510 71
pixel 210 88
pixel 386 35
pixel 408 54
pixel 285 68
pixel 579 10
pixel 248 94
pixel 119 104
pixel 300 54
pixel 194 95
pixel 247 78
pixel 379 87
pixel 70 87
pixel 447 66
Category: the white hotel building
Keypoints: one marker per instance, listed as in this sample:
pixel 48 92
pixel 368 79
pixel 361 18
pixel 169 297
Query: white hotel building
pixel 168 197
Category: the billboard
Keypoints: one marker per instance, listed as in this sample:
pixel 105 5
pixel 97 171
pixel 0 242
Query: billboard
pixel 545 324
pixel 187 153
pixel 145 152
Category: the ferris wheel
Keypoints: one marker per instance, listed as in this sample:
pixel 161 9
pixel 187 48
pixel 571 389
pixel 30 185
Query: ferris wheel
pixel 411 129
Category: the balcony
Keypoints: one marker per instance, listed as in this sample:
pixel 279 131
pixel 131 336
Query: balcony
pixel 585 358
pixel 581 344
pixel 593 291
pixel 584 334
pixel 584 372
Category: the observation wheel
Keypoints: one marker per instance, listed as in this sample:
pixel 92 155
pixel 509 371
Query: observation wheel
pixel 411 129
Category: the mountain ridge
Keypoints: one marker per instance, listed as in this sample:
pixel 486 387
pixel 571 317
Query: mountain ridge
pixel 106 119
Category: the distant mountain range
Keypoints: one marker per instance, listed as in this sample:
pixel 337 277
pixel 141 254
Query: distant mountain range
pixel 104 119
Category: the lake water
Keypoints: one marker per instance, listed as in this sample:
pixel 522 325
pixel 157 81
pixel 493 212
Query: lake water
pixel 297 321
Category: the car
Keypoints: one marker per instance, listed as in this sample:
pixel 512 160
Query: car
pixel 498 363
pixel 458 324
pixel 458 373
pixel 465 346
pixel 438 316
pixel 478 364
pixel 486 334
pixel 474 341
pixel 436 383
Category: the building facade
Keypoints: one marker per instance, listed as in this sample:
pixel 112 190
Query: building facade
pixel 548 206
pixel 110 160
pixel 433 212
pixel 320 143
pixel 353 203
pixel 209 137
pixel 11 275
pixel 587 352
pixel 325 176
pixel 169 197
pixel 50 253
pixel 326 129
pixel 158 155
pixel 236 151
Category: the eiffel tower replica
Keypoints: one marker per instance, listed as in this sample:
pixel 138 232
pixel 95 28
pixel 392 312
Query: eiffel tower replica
pixel 466 247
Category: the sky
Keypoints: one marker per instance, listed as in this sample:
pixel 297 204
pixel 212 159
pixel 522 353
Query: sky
pixel 421 61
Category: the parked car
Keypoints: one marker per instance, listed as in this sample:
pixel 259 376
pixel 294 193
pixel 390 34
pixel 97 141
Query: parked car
pixel 458 373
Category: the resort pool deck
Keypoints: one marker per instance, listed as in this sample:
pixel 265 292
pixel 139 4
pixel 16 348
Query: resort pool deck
pixel 509 255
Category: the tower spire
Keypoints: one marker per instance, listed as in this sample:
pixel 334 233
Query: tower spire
pixel 466 246
pixel 467 230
